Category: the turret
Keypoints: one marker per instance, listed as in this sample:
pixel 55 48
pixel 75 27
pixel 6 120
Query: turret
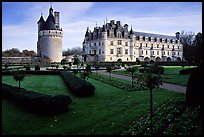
pixel 40 23
pixel 87 34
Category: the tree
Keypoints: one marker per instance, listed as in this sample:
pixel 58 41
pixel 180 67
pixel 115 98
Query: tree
pixel 109 70
pixel 132 71
pixel 198 48
pixel 19 76
pixel 75 71
pixel 151 81
pixel 76 61
pixel 84 75
pixel 37 67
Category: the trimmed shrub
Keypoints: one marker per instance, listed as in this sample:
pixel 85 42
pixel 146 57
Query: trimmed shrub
pixel 36 102
pixel 37 67
pixel 186 71
pixel 77 86
pixel 27 67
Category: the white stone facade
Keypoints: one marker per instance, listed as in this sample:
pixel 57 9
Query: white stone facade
pixel 129 46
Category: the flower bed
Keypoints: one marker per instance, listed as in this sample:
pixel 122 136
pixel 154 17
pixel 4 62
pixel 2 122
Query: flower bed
pixel 168 119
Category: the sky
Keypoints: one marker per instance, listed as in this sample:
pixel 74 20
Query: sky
pixel 19 19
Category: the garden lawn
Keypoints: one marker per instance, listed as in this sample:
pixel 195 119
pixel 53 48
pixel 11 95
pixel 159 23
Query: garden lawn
pixel 107 112
pixel 171 75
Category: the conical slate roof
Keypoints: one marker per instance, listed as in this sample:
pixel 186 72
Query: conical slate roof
pixel 50 23
pixel 41 20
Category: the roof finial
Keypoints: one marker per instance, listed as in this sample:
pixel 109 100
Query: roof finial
pixel 106 20
pixel 41 14
pixel 51 5
pixel 96 23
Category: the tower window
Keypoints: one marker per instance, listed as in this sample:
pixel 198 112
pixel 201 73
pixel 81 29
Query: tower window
pixel 146 52
pixel 146 44
pixel 126 43
pixel 157 45
pixel 111 42
pixel 157 52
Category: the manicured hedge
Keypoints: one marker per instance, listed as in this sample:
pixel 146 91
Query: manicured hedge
pixel 186 71
pixel 41 72
pixel 77 85
pixel 35 101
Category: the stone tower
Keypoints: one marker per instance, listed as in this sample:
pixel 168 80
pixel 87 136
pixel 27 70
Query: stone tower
pixel 49 44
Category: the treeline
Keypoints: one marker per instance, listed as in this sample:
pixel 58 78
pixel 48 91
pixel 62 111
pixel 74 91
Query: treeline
pixel 72 51
pixel 192 46
pixel 14 52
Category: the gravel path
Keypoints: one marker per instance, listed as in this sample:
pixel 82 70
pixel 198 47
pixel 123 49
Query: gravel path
pixel 168 86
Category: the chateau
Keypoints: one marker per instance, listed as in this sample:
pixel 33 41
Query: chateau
pixel 49 44
pixel 113 42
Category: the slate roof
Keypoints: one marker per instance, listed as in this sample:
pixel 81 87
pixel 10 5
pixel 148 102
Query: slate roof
pixel 50 23
pixel 154 35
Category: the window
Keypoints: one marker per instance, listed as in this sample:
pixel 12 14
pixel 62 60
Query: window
pixel 178 47
pixel 157 52
pixel 118 50
pixel 111 43
pixel 99 51
pixel 89 51
pixel 127 59
pixel 153 52
pixel 151 46
pixel 126 43
pixel 164 52
pixel 140 45
pixel 119 42
pixel 168 53
pixel 110 58
pixel 178 53
pixel 142 51
pixel 111 51
pixel 146 44
pixel 126 51
pixel 167 46
pixel 99 43
pixel 146 52
pixel 157 45
pixel 94 44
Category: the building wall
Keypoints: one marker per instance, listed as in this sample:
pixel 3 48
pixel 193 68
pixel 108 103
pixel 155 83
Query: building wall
pixel 137 51
pixel 50 42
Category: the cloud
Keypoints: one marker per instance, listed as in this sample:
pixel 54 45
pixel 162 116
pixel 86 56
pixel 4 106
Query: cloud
pixel 76 17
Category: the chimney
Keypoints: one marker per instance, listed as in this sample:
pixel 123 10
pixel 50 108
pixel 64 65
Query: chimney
pixel 57 24
pixel 177 35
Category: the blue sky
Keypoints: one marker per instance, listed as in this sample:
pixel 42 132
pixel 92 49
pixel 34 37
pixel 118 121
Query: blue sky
pixel 19 19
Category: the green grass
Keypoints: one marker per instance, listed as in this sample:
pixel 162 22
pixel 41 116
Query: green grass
pixel 107 112
pixel 171 75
